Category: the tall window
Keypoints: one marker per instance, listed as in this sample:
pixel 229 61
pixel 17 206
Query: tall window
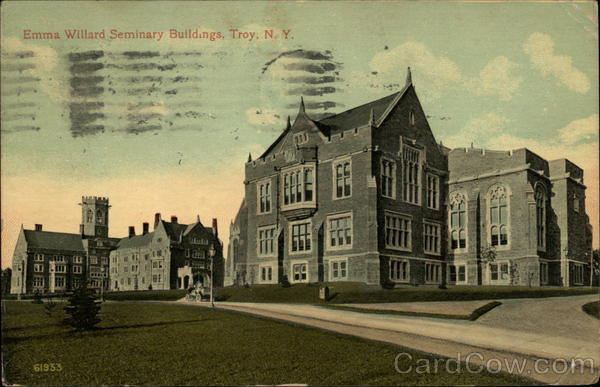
pixel 433 191
pixel 99 216
pixel 540 205
pixel 397 232
pixel 498 204
pixel 431 238
pixel 264 197
pixel 499 271
pixel 340 231
pixel 90 216
pixel 266 241
pixel 388 180
pixel 399 270
pixel 343 179
pixel 575 203
pixel 433 272
pixel 543 273
pixel 301 236
pixel 298 185
pixel 458 221
pixel 457 273
pixel 411 169
pixel 266 273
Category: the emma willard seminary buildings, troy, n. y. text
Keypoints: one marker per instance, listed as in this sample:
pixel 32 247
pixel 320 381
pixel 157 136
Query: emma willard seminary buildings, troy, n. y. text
pixel 368 195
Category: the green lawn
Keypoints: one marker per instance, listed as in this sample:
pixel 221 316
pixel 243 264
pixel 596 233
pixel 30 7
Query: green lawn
pixel 592 308
pixel 152 344
pixel 343 293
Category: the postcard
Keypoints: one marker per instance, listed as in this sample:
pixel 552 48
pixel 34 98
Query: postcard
pixel 299 193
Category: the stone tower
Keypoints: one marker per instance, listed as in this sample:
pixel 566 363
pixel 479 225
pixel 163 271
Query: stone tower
pixel 94 216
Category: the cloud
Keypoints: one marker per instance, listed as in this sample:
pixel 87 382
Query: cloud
pixel 582 130
pixel 262 117
pixel 497 79
pixel 540 49
pixel 387 70
pixel 476 129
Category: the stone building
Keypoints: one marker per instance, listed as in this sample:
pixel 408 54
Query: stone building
pixel 54 262
pixel 172 256
pixel 358 196
pixel 529 212
pixel 367 195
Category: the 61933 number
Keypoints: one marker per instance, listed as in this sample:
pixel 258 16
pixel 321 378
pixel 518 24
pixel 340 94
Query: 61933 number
pixel 47 367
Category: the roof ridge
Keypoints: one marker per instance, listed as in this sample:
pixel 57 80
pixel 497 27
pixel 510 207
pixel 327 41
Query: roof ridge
pixel 359 106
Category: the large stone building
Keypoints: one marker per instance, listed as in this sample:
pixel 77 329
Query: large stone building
pixel 368 195
pixel 172 256
pixel 54 262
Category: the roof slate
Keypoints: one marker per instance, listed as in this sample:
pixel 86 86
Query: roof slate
pixel 136 241
pixel 54 240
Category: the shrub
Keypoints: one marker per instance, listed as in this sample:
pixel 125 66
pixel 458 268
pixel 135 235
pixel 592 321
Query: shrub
pixel 37 297
pixel 83 309
pixel 285 283
pixel 388 284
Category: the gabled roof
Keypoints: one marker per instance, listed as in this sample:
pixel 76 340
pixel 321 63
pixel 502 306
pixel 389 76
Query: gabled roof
pixel 54 240
pixel 136 241
pixel 353 118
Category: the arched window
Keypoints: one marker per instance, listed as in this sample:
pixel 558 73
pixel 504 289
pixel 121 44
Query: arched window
pixel 411 117
pixel 99 217
pixel 498 215
pixel 540 205
pixel 458 221
pixel 90 216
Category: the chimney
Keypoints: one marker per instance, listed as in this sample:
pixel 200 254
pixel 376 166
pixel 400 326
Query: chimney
pixel 38 227
pixel 173 219
pixel 214 226
pixel 145 228
pixel 156 219
pixel 131 231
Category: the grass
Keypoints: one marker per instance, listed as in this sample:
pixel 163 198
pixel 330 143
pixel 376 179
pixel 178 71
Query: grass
pixel 344 293
pixel 146 295
pixel 153 344
pixel 592 308
pixel 471 316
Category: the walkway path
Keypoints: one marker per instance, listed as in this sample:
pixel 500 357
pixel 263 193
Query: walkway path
pixel 508 339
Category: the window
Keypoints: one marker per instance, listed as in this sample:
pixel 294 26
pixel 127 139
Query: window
pixel 498 204
pixel 343 179
pixel 90 216
pixel 77 283
pixel 499 272
pixel 301 237
pixel 433 191
pixel 264 197
pixel 128 280
pixel 457 273
pixel 458 221
pixel 411 117
pixel 76 269
pixel 576 203
pixel 78 259
pixel 196 253
pixel 99 217
pixel 340 231
pixel 540 205
pixel 299 271
pixel 60 258
pixel 59 282
pixel 298 185
pixel 300 138
pixel 431 238
pixel 388 178
pixel 38 282
pixel 543 273
pixel 399 270
pixel 94 260
pixel 397 232
pixel 38 268
pixel 266 240
pixel 411 168
pixel 339 270
pixel 39 257
pixel 159 253
pixel 266 273
pixel 104 260
pixel 433 272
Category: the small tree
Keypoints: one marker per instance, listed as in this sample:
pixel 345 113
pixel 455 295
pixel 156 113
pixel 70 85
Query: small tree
pixel 488 254
pixel 37 297
pixel 83 309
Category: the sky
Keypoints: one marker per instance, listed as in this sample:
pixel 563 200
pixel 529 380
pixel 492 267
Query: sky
pixel 164 123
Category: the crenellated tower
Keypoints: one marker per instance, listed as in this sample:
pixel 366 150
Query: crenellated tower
pixel 94 216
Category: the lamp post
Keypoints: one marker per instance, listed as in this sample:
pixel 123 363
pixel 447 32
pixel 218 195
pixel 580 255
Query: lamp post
pixel 211 254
